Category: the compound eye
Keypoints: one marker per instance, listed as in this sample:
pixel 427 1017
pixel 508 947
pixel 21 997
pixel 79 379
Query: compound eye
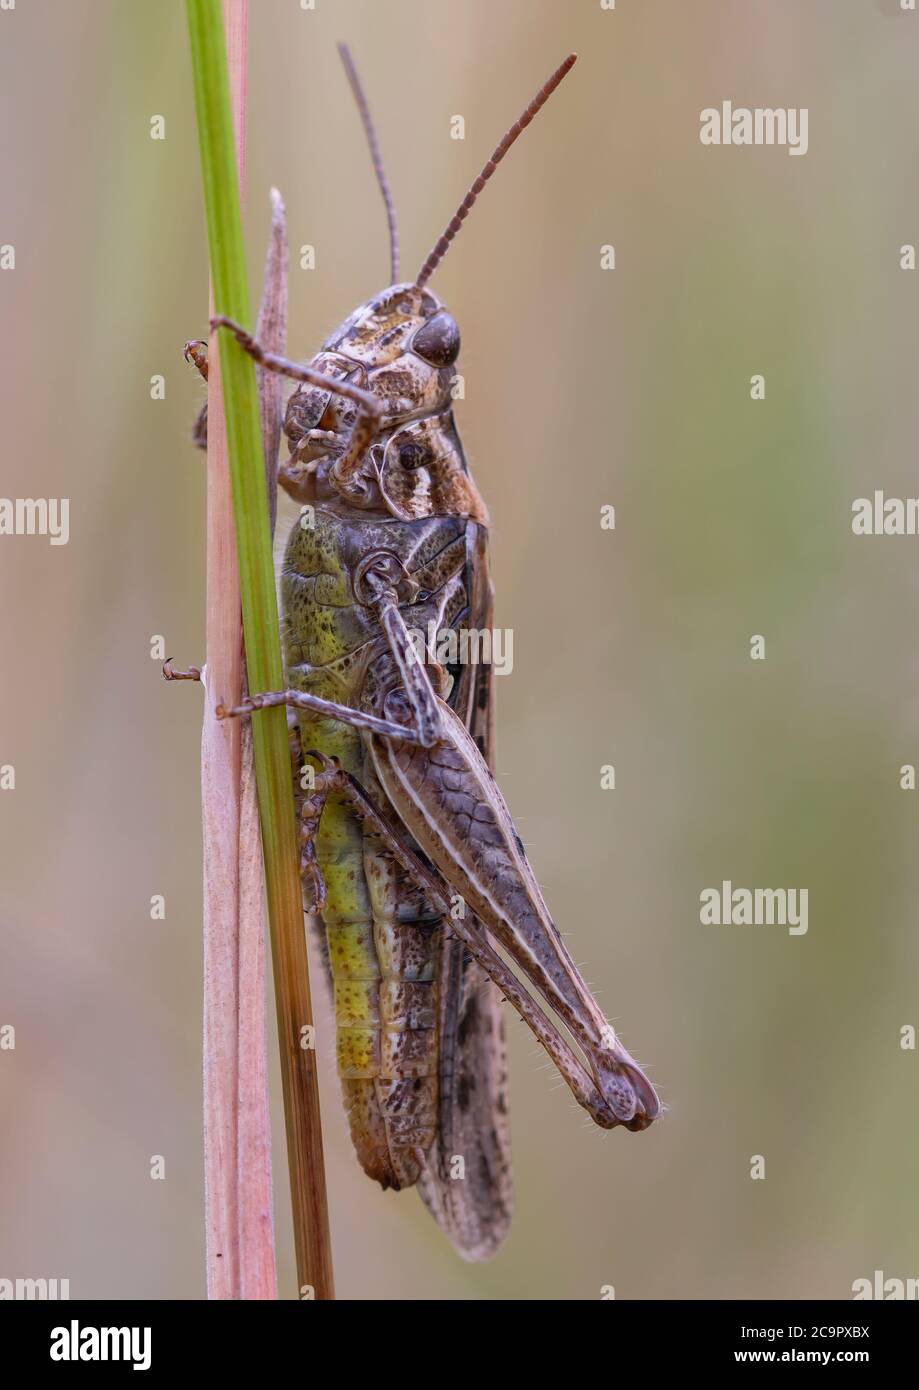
pixel 438 340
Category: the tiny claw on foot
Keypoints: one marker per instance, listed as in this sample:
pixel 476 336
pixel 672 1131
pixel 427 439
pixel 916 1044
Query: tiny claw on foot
pixel 329 764
pixel 171 674
pixel 196 351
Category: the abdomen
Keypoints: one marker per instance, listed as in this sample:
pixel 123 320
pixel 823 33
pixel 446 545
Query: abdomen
pixel 384 941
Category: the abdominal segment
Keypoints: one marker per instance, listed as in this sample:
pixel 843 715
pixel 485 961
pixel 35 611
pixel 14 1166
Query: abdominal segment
pixel 384 949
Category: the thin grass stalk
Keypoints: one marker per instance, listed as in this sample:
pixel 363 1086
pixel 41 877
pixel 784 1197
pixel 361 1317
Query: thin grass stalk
pixel 255 1261
pixel 262 648
pixel 237 1127
pixel 221 773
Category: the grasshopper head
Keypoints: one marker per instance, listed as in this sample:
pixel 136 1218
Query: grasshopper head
pixel 401 346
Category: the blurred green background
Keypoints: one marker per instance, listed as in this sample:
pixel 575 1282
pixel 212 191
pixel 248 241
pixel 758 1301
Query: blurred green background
pixel 584 387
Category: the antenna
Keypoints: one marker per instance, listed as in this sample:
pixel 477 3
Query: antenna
pixel 540 99
pixel 345 55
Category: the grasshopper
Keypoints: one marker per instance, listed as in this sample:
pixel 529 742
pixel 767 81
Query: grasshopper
pixel 408 852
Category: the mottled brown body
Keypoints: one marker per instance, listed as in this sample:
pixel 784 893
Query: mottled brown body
pixel 418 503
pixel 384 937
pixel 407 846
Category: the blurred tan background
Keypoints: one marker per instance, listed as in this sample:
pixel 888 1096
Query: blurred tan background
pixel 584 387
